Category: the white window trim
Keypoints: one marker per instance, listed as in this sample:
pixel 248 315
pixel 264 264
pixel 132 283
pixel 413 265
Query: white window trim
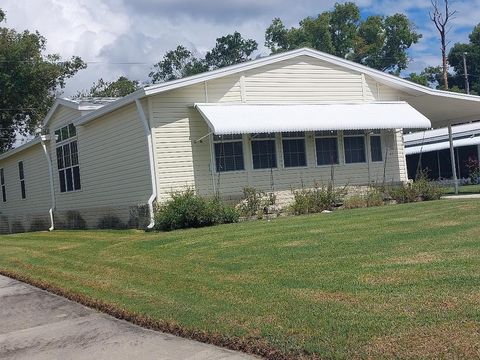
pixel 242 140
pixel 365 149
pixel 315 137
pixel 274 139
pixel 304 137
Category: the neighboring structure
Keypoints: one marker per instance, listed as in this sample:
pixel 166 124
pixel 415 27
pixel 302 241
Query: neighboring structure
pixel 429 151
pixel 275 123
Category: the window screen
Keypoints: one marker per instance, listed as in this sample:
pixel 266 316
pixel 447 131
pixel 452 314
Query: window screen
pixel 354 145
pixel 376 147
pixel 294 154
pixel 326 146
pixel 264 153
pixel 228 153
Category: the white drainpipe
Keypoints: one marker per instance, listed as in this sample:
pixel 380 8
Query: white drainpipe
pixel 148 133
pixel 44 138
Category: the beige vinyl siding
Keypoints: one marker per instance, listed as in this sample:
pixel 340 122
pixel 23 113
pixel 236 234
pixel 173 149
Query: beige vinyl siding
pixel 183 162
pixel 37 186
pixel 63 116
pixel 113 159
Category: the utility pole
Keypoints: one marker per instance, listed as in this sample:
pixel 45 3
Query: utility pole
pixel 467 85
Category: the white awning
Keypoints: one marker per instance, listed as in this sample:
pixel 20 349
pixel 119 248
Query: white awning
pixel 224 119
pixel 441 145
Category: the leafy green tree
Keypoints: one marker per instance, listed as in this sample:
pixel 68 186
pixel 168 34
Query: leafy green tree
pixel 380 42
pixel 118 88
pixel 177 64
pixel 29 82
pixel 229 50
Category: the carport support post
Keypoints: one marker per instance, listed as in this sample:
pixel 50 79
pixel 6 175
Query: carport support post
pixel 452 157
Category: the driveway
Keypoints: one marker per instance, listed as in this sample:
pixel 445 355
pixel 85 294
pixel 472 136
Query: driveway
pixel 35 324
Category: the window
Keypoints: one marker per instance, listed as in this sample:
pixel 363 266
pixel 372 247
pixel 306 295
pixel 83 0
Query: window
pixel 2 184
pixel 228 152
pixel 21 175
pixel 294 154
pixel 326 146
pixel 354 145
pixel 67 159
pixel 264 153
pixel 376 146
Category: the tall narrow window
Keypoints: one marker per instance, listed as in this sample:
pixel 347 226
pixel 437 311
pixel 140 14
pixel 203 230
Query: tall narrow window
pixel 264 152
pixel 21 175
pixel 354 145
pixel 228 153
pixel 326 146
pixel 376 146
pixel 294 154
pixel 67 159
pixel 2 184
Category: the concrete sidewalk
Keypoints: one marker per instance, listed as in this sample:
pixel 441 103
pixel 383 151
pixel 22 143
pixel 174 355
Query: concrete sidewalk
pixel 35 324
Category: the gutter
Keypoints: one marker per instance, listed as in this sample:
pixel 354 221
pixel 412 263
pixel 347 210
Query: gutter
pixel 148 133
pixel 44 138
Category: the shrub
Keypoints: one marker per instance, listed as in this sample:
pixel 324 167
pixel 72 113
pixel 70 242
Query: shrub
pixel 110 221
pixel 317 199
pixel 474 170
pixel 73 221
pixel 139 217
pixel 255 201
pixel 372 198
pixel 421 189
pixel 188 210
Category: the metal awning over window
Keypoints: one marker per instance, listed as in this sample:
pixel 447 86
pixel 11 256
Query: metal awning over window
pixel 441 145
pixel 226 119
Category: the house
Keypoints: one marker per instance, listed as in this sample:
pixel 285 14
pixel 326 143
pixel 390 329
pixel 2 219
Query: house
pixel 429 151
pixel 275 123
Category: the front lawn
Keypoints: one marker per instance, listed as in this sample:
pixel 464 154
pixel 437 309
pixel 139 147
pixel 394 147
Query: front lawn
pixel 397 281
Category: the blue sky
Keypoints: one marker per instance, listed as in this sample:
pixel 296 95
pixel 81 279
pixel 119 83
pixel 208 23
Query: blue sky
pixel 110 33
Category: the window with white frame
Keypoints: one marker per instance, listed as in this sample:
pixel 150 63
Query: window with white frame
pixel 354 146
pixel 2 184
pixel 376 146
pixel 21 176
pixel 264 152
pixel 294 153
pixel 67 159
pixel 228 153
pixel 326 147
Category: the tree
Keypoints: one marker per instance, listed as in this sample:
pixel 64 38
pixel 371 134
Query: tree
pixel 441 20
pixel 118 88
pixel 177 64
pixel 379 42
pixel 229 50
pixel 455 59
pixel 29 82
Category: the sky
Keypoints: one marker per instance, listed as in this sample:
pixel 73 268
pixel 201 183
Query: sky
pixel 126 37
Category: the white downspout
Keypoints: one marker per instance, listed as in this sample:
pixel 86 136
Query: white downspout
pixel 148 133
pixel 44 138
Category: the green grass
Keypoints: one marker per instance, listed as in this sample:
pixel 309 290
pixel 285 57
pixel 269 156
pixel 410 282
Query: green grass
pixel 389 282
pixel 464 189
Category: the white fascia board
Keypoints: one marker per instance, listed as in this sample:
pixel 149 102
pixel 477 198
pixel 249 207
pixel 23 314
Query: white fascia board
pixel 20 148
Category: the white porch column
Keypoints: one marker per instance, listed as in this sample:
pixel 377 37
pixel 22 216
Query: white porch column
pixel 452 157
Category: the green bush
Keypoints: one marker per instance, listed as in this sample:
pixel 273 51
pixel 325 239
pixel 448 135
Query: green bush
pixel 372 198
pixel 187 210
pixel 317 199
pixel 254 202
pixel 110 221
pixel 421 189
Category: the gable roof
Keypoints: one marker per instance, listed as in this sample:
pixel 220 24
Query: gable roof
pixel 381 77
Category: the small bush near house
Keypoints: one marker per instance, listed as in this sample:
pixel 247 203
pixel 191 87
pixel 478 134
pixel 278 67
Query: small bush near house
pixel 317 199
pixel 17 227
pixel 139 217
pixel 372 198
pixel 474 171
pixel 421 189
pixel 188 210
pixel 110 221
pixel 72 221
pixel 255 202
pixel 38 224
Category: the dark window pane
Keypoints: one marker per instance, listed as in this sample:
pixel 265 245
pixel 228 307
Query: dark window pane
pixel 376 148
pixel 264 154
pixel 227 137
pixel 69 179
pixel 74 153
pixel 2 177
pixel 60 164
pixel 354 149
pixel 229 156
pixel 58 135
pixel 327 133
pixel 72 130
pixel 327 151
pixel 22 187
pixel 66 155
pixel 65 133
pixel 61 179
pixel 4 194
pixel 299 134
pixel 76 178
pixel 294 153
pixel 21 174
